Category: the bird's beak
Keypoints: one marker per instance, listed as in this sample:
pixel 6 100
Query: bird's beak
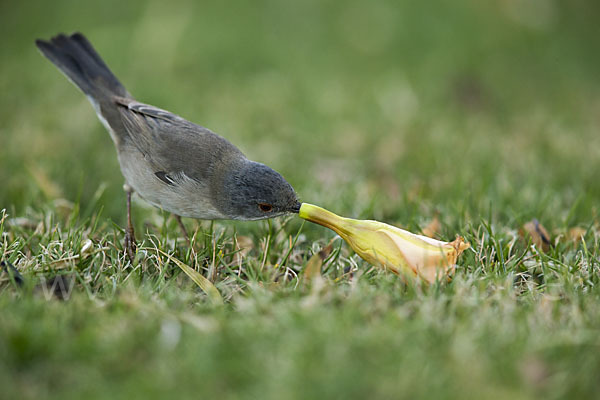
pixel 296 207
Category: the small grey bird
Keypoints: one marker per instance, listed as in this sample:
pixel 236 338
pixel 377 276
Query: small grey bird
pixel 170 162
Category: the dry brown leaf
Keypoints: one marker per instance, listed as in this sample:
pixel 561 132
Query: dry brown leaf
pixel 314 264
pixel 538 234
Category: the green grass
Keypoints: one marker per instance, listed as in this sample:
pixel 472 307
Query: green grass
pixel 483 114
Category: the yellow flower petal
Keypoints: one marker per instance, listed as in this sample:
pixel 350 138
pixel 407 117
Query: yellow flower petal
pixel 389 247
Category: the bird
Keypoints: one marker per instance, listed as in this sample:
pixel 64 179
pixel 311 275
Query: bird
pixel 171 163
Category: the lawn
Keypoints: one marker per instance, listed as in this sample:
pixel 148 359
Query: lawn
pixel 482 116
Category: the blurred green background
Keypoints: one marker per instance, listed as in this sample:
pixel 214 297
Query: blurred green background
pixel 484 113
pixel 374 109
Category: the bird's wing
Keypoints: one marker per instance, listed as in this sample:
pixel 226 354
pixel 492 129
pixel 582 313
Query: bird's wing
pixel 151 111
pixel 172 144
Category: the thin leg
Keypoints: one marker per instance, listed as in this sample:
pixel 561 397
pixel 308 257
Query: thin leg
pixel 182 226
pixel 129 242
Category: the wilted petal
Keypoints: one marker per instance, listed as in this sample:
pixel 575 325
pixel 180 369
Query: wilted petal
pixel 390 247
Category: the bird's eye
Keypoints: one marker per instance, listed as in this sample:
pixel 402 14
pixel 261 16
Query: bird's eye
pixel 264 207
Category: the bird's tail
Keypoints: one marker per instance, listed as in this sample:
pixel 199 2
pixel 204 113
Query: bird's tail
pixel 76 58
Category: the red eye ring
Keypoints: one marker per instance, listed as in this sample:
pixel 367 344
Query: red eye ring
pixel 264 207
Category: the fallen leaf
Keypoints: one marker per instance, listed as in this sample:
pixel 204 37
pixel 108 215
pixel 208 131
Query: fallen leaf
pixel 314 264
pixel 538 234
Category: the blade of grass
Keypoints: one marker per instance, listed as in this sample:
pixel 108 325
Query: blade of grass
pixel 207 287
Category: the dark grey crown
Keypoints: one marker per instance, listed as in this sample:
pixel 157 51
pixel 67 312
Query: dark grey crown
pixel 256 191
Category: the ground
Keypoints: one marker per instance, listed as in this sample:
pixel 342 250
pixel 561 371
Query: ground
pixel 481 116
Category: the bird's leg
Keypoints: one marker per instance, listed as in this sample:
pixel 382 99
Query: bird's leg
pixel 129 242
pixel 182 226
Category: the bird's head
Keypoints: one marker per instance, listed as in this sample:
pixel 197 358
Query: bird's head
pixel 254 191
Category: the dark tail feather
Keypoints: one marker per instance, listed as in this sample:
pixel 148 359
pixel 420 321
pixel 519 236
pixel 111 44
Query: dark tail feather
pixel 77 59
